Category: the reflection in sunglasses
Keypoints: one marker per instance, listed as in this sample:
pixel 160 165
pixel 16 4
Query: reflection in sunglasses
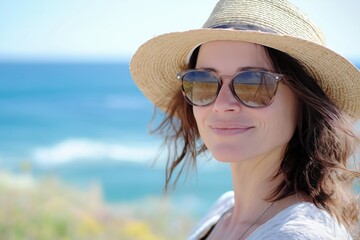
pixel 252 88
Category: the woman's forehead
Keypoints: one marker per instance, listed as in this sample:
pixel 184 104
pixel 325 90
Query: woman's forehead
pixel 232 55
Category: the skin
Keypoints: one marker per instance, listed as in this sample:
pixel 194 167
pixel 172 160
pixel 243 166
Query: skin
pixel 252 140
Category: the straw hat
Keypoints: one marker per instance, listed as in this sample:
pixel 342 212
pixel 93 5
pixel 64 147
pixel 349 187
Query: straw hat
pixel 273 23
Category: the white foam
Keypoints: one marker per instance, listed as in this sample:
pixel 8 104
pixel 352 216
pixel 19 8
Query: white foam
pixel 86 149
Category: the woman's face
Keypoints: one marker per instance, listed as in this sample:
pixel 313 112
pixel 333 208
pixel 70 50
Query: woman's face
pixel 230 130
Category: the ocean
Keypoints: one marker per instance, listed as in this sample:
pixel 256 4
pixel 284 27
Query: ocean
pixel 86 123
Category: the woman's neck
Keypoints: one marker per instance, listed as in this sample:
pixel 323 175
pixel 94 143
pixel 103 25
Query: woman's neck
pixel 253 182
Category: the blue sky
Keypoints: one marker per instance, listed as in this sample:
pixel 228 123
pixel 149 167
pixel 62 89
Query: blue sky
pixel 113 29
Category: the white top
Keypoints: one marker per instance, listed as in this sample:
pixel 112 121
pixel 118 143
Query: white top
pixel 301 221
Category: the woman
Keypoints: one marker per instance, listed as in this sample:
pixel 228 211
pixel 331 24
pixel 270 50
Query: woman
pixel 257 88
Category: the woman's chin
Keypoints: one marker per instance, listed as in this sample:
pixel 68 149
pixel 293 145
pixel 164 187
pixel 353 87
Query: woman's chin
pixel 229 157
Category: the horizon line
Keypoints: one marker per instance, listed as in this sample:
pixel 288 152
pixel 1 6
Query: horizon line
pixel 93 59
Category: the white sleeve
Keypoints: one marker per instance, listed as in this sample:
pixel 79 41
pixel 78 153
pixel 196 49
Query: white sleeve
pixel 222 205
pixel 309 231
pixel 301 222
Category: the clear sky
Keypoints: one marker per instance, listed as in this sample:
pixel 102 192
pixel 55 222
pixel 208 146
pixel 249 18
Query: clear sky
pixel 113 29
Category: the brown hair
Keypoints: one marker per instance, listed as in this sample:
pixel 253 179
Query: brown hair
pixel 316 159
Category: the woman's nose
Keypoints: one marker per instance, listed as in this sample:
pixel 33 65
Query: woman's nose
pixel 226 101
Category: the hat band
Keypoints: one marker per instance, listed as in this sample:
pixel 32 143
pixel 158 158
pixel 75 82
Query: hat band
pixel 242 26
pixel 232 26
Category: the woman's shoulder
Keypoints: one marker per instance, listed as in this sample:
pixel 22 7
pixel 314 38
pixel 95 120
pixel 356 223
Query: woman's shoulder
pixel 302 221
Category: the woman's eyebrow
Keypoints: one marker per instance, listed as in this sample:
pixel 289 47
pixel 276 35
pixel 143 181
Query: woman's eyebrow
pixel 251 68
pixel 208 69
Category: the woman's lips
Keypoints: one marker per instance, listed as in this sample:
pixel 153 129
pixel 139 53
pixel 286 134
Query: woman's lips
pixel 227 129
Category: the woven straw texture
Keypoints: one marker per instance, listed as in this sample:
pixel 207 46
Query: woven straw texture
pixel 156 63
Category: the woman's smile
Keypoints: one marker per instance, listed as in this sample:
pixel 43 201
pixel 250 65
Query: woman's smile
pixel 228 129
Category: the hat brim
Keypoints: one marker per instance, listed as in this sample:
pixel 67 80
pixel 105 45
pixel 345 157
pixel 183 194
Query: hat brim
pixel 156 63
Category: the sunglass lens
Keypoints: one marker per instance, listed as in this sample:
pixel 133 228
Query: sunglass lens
pixel 255 89
pixel 200 87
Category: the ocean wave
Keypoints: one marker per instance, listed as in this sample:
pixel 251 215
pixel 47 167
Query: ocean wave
pixel 89 150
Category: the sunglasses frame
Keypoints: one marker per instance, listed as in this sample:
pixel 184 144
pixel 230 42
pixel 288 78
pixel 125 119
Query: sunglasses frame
pixel 277 76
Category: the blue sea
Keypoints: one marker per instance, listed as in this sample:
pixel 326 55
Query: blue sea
pixel 86 123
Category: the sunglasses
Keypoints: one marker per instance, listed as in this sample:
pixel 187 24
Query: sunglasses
pixel 252 88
